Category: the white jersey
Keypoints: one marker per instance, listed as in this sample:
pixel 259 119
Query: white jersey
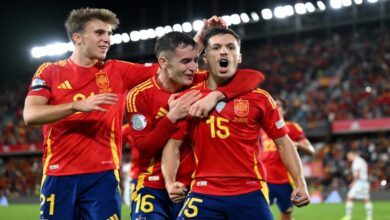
pixel 359 167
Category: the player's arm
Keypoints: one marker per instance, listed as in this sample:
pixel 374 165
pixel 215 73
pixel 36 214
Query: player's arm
pixel 214 21
pixel 305 145
pixel 170 162
pixel 290 158
pixel 243 81
pixel 37 111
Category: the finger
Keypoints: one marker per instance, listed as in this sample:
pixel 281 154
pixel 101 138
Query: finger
pixel 100 109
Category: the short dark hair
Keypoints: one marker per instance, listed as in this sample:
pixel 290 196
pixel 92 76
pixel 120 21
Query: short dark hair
pixel 219 31
pixel 172 40
pixel 78 18
pixel 283 102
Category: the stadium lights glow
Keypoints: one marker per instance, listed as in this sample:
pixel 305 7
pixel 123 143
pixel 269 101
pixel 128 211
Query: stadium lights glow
pixel 234 19
pixel 347 3
pixel 177 27
pixel 197 25
pixel 244 17
pixel 187 27
pixel 321 5
pixel 266 13
pixel 255 16
pixel 300 8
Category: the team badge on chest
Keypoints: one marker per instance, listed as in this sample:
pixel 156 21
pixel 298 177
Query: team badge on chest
pixel 241 107
pixel 103 82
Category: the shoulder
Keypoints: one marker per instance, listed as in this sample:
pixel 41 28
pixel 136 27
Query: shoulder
pixel 263 96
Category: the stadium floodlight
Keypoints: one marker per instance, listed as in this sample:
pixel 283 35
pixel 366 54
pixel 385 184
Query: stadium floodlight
pixel 346 3
pixel 143 34
pixel 358 2
pixel 255 16
pixel 372 1
pixel 321 5
pixel 279 12
pixel 197 25
pixel 135 36
pixel 244 17
pixel 168 29
pixel 159 31
pixel 125 37
pixel 236 20
pixel 289 10
pixel 336 4
pixel 70 46
pixel 187 27
pixel 227 19
pixel 37 52
pixel 300 8
pixel 266 13
pixel 116 39
pixel 177 27
pixel 151 33
pixel 310 7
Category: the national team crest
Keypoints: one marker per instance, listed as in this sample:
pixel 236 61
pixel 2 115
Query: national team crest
pixel 241 107
pixel 103 82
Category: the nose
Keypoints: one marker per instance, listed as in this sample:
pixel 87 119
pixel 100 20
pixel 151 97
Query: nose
pixel 224 50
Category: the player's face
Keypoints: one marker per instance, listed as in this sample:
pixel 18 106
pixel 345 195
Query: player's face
pixel 223 56
pixel 94 42
pixel 182 65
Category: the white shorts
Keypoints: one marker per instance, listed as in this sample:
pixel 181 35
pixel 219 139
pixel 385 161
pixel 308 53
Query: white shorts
pixel 359 190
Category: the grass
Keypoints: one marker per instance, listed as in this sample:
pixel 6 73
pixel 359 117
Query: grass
pixel 311 212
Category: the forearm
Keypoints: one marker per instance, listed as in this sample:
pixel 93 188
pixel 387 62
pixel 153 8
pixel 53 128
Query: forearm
pixel 155 140
pixel 44 114
pixel 305 146
pixel 291 160
pixel 170 161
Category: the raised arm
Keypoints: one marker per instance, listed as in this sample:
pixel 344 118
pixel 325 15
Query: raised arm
pixel 289 156
pixel 37 111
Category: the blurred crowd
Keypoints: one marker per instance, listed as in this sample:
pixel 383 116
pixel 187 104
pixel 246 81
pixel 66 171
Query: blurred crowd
pixel 324 79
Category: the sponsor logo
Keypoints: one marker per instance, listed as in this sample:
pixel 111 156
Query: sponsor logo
pixel 153 178
pixel 280 123
pixel 65 85
pixel 103 82
pixel 138 122
pixel 241 107
pixel 220 106
pixel 201 183
pixel 54 167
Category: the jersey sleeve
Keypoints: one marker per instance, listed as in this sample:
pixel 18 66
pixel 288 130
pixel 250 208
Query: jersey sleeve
pixel 296 132
pixel 271 121
pixel 244 81
pixel 149 138
pixel 181 132
pixel 135 73
pixel 41 82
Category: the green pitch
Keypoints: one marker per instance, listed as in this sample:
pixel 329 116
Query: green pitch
pixel 314 211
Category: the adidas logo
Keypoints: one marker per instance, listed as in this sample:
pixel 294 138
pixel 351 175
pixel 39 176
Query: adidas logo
pixel 114 217
pixel 161 113
pixel 65 85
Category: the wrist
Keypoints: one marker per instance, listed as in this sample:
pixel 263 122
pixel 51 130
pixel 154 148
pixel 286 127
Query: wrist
pixel 218 95
pixel 73 106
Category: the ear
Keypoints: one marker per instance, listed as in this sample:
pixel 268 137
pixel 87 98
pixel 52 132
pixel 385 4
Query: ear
pixel 76 38
pixel 240 58
pixel 162 62
pixel 204 57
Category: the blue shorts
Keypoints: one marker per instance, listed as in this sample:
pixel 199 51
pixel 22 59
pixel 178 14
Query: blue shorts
pixel 282 194
pixel 247 206
pixel 154 204
pixel 84 196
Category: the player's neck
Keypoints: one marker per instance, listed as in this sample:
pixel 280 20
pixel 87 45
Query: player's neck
pixel 167 83
pixel 81 60
pixel 213 82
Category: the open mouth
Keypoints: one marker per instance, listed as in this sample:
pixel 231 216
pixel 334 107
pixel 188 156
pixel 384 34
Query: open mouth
pixel 223 65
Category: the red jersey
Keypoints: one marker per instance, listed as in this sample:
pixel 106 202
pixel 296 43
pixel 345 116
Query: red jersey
pixel 126 137
pixel 276 171
pixel 146 106
pixel 85 142
pixel 226 143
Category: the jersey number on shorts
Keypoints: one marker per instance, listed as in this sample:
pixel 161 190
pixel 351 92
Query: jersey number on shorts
pixel 49 199
pixel 146 206
pixel 217 127
pixel 190 210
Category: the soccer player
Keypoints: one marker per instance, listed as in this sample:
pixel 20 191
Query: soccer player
pixel 278 179
pixel 153 122
pixel 360 187
pixel 227 180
